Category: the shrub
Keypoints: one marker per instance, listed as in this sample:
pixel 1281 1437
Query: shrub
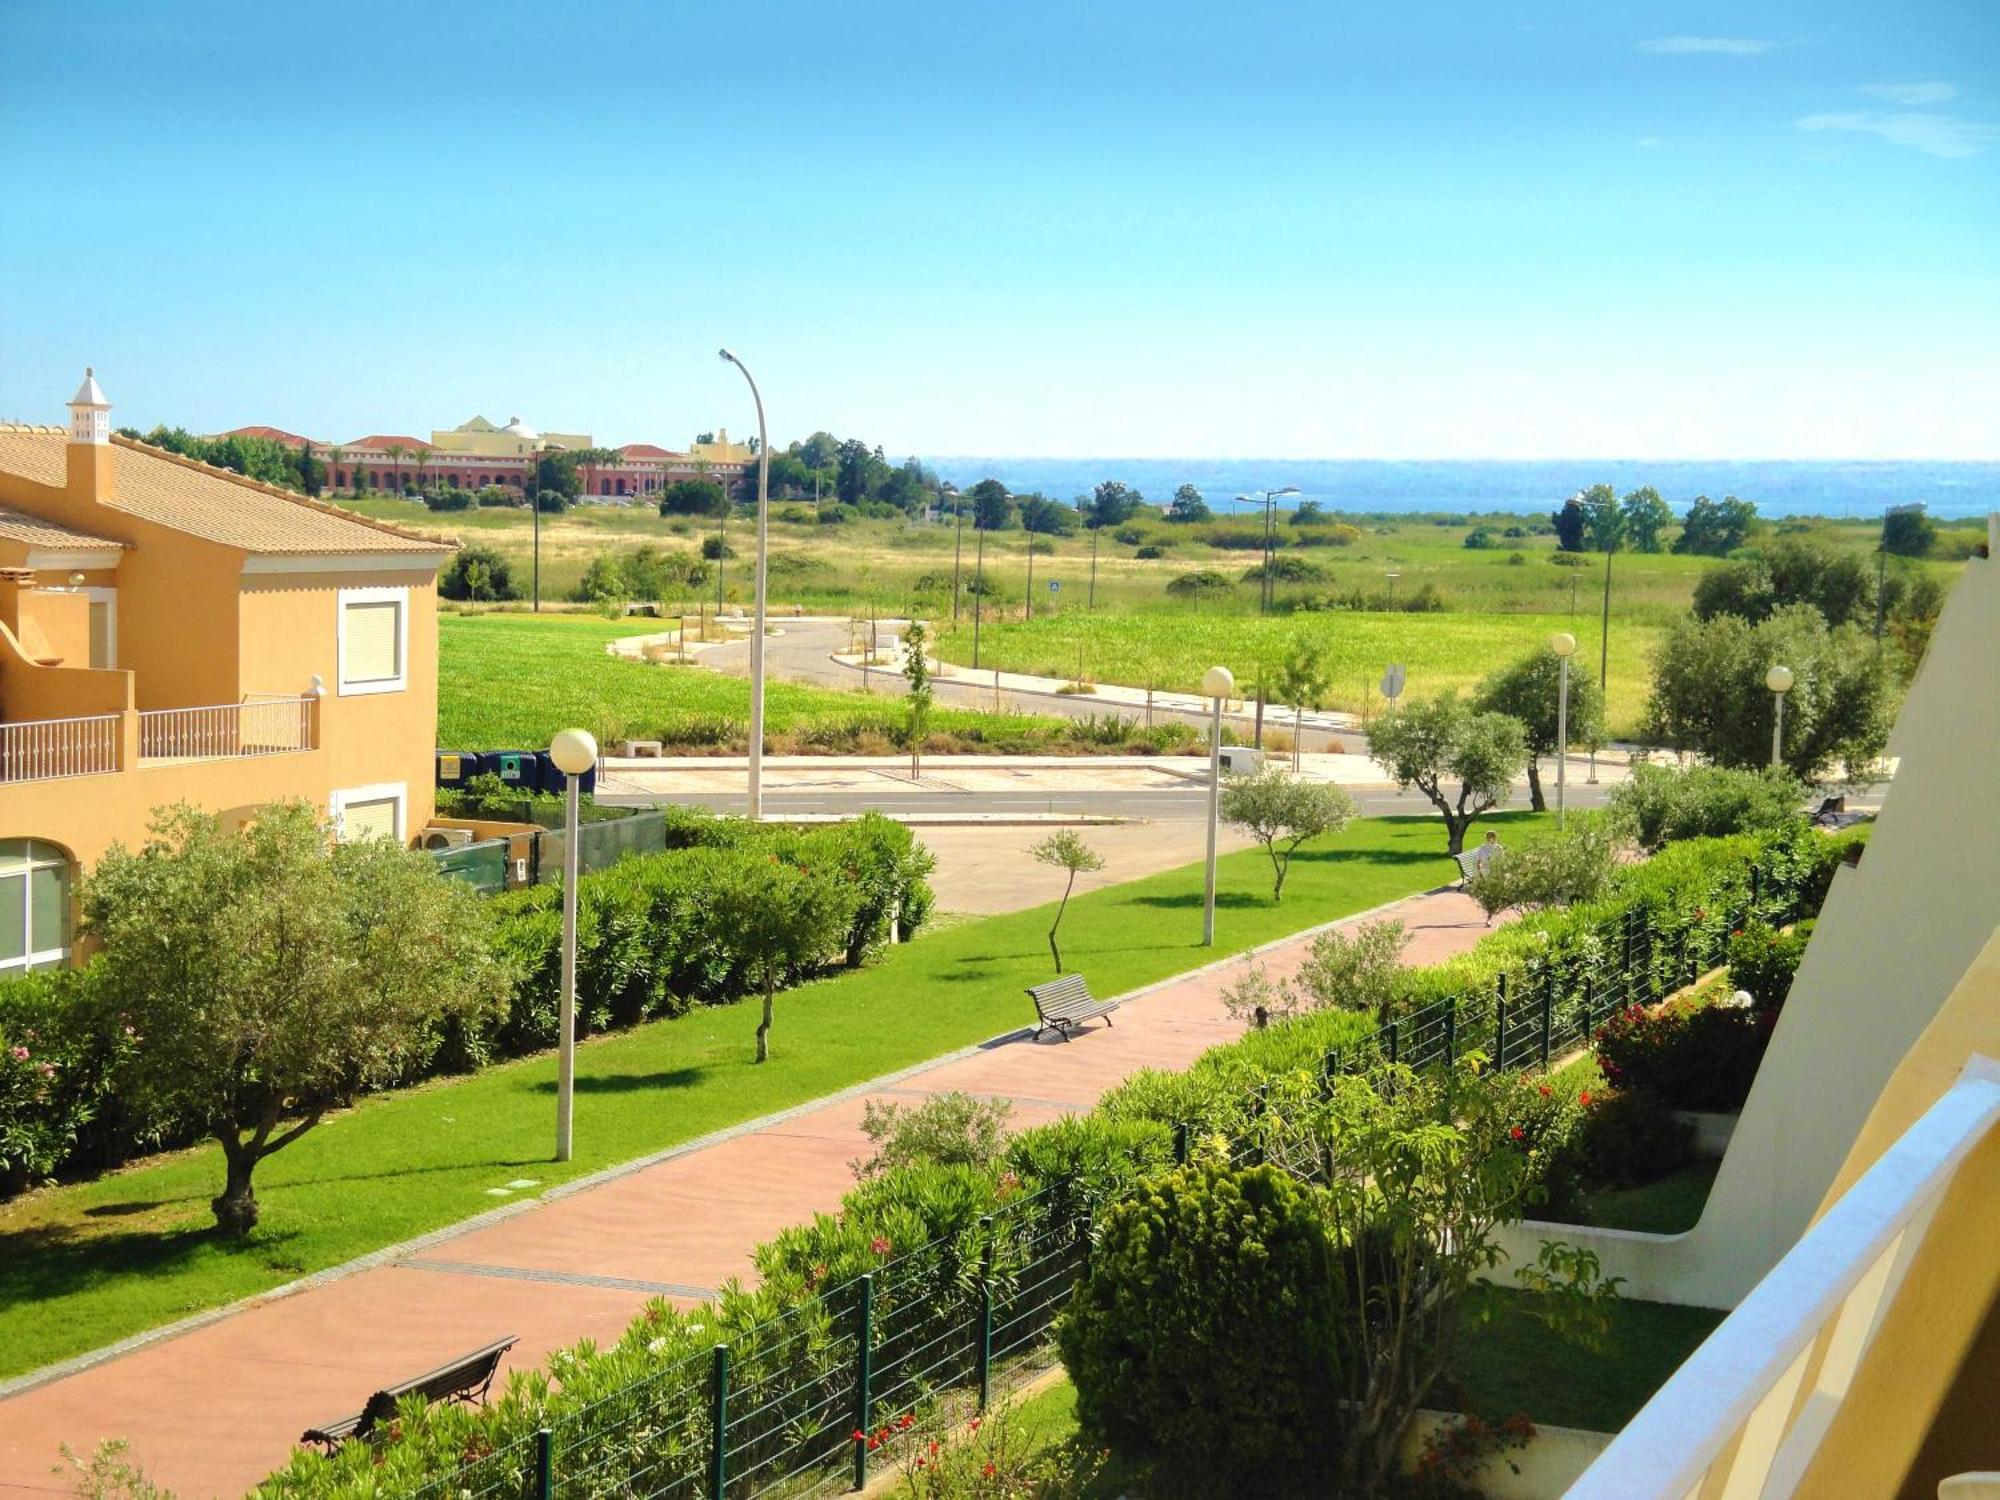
pixel 1284 569
pixel 1659 804
pixel 450 498
pixel 1479 540
pixel 1557 869
pixel 952 1129
pixel 1150 553
pixel 1763 960
pixel 1200 584
pixel 1359 972
pixel 1701 1057
pixel 57 1066
pixel 1630 1137
pixel 1204 1337
pixel 715 549
pixel 477 573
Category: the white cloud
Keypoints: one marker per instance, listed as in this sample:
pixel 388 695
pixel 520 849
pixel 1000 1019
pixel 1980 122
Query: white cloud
pixel 1911 93
pixel 1725 46
pixel 1649 142
pixel 1933 134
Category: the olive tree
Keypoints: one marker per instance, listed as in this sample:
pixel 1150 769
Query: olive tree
pixel 786 920
pixel 1709 695
pixel 1530 690
pixel 1282 811
pixel 1429 743
pixel 1065 850
pixel 270 972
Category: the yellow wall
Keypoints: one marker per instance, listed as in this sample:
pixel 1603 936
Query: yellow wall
pixel 195 629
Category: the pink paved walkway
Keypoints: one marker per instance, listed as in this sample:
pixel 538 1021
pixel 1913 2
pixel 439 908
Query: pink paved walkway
pixel 210 1412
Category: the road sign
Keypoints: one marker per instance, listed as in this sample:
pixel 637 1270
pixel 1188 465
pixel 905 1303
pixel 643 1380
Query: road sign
pixel 1392 682
pixel 1055 585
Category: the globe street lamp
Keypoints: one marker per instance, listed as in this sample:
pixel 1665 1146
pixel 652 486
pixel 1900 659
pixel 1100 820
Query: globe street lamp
pixel 757 627
pixel 1779 681
pixel 1220 684
pixel 1564 646
pixel 574 752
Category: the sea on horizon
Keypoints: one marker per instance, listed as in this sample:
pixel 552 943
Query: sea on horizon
pixel 1778 487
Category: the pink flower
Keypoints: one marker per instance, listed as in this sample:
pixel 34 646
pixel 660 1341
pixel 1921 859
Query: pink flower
pixel 1516 1133
pixel 48 1070
pixel 880 1246
pixel 20 1054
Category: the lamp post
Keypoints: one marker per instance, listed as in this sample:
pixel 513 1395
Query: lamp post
pixel 1564 646
pixel 1219 683
pixel 978 583
pixel 757 626
pixel 957 545
pixel 1392 577
pixel 574 752
pixel 1264 592
pixel 1779 681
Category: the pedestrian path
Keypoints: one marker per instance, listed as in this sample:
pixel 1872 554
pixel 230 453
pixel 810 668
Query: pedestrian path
pixel 212 1410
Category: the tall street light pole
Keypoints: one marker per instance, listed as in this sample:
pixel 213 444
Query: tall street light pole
pixel 757 626
pixel 1219 683
pixel 957 546
pixel 574 752
pixel 1779 681
pixel 1564 646
pixel 978 584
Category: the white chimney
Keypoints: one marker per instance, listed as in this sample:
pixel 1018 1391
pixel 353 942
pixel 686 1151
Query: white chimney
pixel 89 413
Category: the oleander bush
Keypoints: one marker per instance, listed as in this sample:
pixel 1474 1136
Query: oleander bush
pixel 1763 959
pixel 1690 1054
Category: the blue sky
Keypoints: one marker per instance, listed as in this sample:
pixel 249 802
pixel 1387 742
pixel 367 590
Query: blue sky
pixel 1472 230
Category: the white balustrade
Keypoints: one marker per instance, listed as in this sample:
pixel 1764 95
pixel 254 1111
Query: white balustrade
pixel 43 749
pixel 266 726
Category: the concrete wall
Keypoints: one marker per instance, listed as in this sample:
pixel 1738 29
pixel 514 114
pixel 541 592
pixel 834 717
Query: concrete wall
pixel 1896 935
pixel 1552 1461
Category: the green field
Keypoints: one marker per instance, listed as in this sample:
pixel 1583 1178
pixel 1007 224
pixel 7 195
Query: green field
pixel 83 1265
pixel 1114 605
pixel 1440 651
pixel 513 680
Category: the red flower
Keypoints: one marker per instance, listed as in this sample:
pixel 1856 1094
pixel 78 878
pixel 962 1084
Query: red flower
pixel 934 1445
pixel 880 1246
pixel 860 1436
pixel 1584 1098
pixel 974 1423
pixel 988 1471
pixel 905 1421
pixel 920 1463
pixel 1516 1133
pixel 1547 1091
pixel 873 1444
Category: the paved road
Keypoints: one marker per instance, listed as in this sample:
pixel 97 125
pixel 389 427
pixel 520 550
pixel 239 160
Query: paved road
pixel 804 651
pixel 1155 804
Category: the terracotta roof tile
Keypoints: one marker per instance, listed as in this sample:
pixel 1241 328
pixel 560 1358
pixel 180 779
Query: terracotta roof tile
pixel 214 504
pixel 382 440
pixel 273 434
pixel 19 526
pixel 648 450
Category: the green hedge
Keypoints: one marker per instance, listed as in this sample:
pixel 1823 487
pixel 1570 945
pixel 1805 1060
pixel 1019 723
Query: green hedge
pixel 648 944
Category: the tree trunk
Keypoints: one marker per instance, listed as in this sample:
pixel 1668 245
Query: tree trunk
pixel 764 1025
pixel 236 1210
pixel 1456 827
pixel 1055 951
pixel 1535 798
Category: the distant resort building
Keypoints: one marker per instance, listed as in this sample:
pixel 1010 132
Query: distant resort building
pixel 475 455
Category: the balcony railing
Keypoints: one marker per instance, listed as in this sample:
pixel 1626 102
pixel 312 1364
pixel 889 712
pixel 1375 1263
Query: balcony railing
pixel 226 731
pixel 43 749
pixel 1747 1412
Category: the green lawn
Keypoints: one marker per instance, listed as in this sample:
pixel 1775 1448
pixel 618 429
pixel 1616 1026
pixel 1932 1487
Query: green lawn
pixel 81 1266
pixel 513 680
pixel 1517 1363
pixel 1670 1205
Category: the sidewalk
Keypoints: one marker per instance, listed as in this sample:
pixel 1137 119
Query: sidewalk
pixel 213 1410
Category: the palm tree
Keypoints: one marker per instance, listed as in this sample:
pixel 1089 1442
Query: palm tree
pixel 334 459
pixel 423 468
pixel 396 452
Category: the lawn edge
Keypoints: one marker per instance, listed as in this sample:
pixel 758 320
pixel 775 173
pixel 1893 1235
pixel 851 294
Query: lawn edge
pixel 77 1364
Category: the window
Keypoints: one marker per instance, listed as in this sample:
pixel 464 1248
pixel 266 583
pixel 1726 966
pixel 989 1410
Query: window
pixel 374 640
pixel 34 905
pixel 370 812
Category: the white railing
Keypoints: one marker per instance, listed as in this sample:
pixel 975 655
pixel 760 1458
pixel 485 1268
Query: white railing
pixel 270 726
pixel 42 749
pixel 1745 1415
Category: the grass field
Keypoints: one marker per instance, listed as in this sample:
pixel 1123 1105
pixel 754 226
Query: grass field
pixel 1440 651
pixel 507 680
pixel 83 1265
pixel 1499 602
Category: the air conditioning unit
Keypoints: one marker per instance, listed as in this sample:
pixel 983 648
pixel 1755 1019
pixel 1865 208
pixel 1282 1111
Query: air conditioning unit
pixel 447 838
pixel 1241 760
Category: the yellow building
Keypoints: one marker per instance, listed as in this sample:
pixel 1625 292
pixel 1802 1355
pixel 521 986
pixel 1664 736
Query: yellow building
pixel 516 440
pixel 170 632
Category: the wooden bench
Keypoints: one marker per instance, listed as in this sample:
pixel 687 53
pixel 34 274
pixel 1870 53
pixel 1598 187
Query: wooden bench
pixel 466 1379
pixel 1066 1003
